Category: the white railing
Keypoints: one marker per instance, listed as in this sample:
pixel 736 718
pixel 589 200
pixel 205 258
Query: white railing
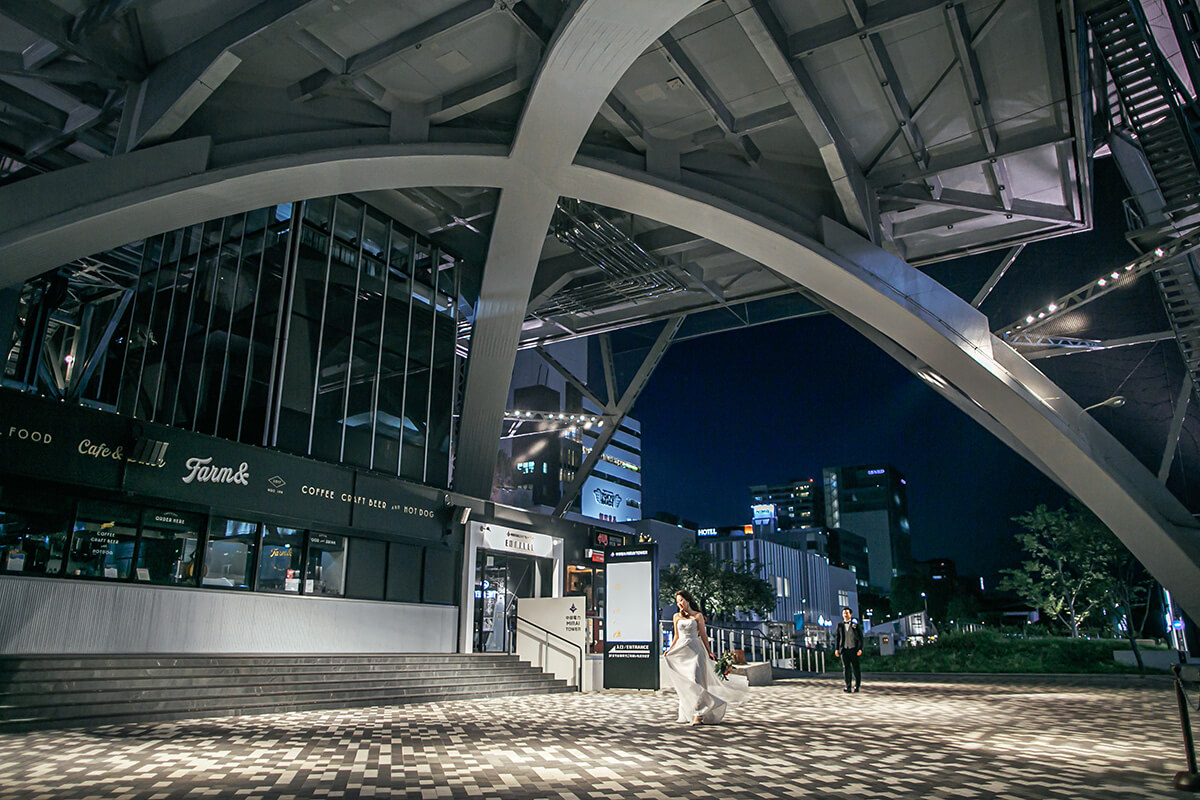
pixel 757 647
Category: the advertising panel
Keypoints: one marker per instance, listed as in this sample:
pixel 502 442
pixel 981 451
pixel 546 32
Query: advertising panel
pixel 603 499
pixel 42 438
pixel 631 648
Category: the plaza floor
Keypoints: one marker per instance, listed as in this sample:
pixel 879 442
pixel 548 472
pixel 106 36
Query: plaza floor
pixel 899 738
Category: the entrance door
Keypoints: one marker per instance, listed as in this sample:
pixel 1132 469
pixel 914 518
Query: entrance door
pixel 501 580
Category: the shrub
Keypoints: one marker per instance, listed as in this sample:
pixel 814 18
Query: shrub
pixel 989 651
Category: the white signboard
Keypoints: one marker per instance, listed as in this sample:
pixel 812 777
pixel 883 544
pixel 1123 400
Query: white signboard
pixel 498 537
pixel 629 596
pixel 552 635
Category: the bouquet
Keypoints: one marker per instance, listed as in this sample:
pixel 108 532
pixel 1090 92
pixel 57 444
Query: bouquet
pixel 724 665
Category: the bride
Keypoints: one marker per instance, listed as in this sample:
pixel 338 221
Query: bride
pixel 703 695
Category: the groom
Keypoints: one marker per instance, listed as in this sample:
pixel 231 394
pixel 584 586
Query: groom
pixel 847 643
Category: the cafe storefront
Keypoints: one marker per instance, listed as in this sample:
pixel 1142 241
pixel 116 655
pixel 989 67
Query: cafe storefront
pixel 118 535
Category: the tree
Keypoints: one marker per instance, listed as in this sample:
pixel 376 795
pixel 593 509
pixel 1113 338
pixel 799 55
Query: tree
pixel 721 587
pixel 1071 558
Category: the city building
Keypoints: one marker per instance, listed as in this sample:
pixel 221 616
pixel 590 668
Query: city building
pixel 871 501
pixel 796 504
pixel 810 593
pixel 265 269
pixel 841 547
pixel 543 453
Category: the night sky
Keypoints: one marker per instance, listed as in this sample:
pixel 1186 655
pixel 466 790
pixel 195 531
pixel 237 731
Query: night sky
pixel 781 401
pixel 768 404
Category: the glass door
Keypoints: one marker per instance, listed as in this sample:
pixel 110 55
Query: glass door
pixel 501 580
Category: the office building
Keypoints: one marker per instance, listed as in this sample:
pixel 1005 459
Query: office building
pixel 809 591
pixel 795 504
pixel 871 501
pixel 544 454
pixel 841 547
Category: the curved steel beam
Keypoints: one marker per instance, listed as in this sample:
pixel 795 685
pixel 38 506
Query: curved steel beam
pixel 594 46
pixel 962 360
pixel 947 339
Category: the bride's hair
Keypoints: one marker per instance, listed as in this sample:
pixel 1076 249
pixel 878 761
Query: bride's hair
pixel 686 595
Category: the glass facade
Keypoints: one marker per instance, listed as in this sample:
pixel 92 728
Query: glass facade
pixel 127 543
pixel 321 328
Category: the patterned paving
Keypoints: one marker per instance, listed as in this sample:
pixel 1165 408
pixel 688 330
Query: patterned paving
pixel 1005 738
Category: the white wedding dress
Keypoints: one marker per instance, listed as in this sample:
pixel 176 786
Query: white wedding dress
pixel 702 693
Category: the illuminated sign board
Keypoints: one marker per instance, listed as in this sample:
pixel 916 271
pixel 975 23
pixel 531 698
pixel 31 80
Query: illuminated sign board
pixel 707 532
pixel 762 512
pixel 876 471
pixel 602 499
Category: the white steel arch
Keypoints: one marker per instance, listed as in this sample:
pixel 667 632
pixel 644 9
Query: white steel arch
pixel 53 219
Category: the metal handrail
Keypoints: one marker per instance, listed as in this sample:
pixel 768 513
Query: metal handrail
pixel 771 649
pixel 579 678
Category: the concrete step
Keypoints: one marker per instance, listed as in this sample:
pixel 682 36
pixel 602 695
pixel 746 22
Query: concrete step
pixel 205 701
pixel 57 691
pixel 267 706
pixel 174 684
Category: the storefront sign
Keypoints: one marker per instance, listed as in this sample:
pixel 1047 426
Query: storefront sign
pixel 498 537
pixel 387 504
pixel 230 476
pixel 42 438
pixel 45 439
pixel 631 617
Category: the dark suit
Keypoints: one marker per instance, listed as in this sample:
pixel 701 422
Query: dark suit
pixel 848 641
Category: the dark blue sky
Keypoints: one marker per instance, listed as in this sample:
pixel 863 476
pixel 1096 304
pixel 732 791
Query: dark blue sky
pixel 781 401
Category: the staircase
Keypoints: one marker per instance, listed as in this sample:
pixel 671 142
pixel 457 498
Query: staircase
pixel 1181 298
pixel 1143 82
pixel 70 691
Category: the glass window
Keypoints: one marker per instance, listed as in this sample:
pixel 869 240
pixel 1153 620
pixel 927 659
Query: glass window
pixel 169 553
pixel 326 565
pixel 279 560
pixel 229 556
pixel 32 543
pixel 103 543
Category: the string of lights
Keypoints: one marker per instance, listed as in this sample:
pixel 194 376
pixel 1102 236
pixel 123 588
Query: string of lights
pixel 1118 278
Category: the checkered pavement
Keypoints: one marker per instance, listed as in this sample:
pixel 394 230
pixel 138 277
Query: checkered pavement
pixel 798 738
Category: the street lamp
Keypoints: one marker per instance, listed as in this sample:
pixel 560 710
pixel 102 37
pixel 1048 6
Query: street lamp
pixel 926 601
pixel 1115 401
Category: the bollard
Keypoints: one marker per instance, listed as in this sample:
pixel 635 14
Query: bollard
pixel 1188 781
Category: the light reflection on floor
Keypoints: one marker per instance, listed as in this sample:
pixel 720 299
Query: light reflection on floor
pixel 1000 738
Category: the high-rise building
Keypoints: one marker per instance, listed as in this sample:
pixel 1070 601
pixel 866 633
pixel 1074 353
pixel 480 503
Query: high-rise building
pixel 797 504
pixel 544 457
pixel 871 501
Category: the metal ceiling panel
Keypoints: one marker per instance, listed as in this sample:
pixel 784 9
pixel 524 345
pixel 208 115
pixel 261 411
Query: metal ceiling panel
pixel 167 26
pixel 461 58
